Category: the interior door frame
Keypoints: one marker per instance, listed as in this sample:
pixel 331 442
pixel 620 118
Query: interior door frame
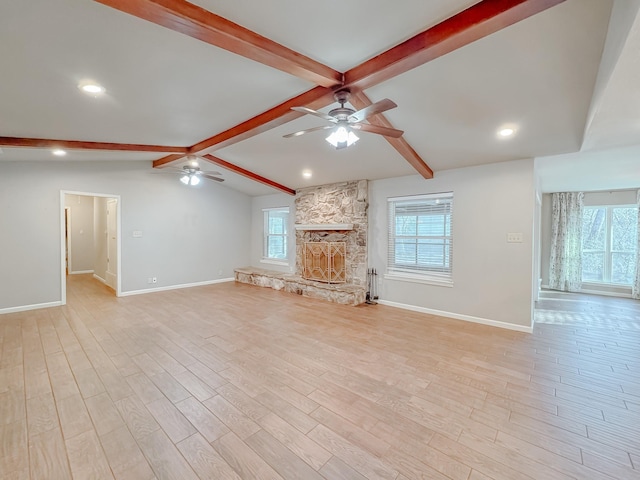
pixel 63 276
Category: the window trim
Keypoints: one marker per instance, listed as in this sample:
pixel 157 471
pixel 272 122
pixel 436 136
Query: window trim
pixel 265 236
pixel 425 276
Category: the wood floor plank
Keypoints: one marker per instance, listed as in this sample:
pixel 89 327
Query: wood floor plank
pixel 234 381
pixel 365 463
pixel 242 401
pixel 246 462
pixel 305 448
pixel 172 421
pixel 169 386
pixel 86 457
pixel 165 459
pixel 210 426
pixel 14 449
pixel 48 456
pixel 42 415
pixel 124 456
pixel 336 469
pixel 138 419
pixel 233 418
pixel 281 459
pixel 104 413
pixel 205 460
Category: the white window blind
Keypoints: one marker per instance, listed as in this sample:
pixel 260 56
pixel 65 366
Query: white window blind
pixel 420 238
pixel 276 222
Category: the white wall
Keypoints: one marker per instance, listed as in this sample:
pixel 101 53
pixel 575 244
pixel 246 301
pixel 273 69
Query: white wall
pixel 81 240
pixel 492 278
pixel 190 234
pixel 257 230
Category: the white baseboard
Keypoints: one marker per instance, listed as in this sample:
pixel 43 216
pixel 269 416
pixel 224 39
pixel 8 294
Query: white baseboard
pixel 175 287
pixel 606 294
pixel 99 278
pixel 593 292
pixel 24 308
pixel 458 316
pixel 80 272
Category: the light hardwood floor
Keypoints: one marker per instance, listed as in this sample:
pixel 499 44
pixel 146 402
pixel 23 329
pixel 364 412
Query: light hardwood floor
pixel 233 381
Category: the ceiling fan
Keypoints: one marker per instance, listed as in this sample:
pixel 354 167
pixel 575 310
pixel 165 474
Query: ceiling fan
pixel 344 120
pixel 191 173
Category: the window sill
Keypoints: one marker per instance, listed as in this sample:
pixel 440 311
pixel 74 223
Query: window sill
pixel 607 284
pixel 272 261
pixel 440 282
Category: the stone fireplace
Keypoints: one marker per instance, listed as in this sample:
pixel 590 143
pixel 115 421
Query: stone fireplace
pixel 331 246
pixel 334 213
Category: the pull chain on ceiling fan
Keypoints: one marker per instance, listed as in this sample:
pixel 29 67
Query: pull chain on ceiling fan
pixel 345 120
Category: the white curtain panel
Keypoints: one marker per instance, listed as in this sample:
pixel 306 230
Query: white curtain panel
pixel 565 269
pixel 635 292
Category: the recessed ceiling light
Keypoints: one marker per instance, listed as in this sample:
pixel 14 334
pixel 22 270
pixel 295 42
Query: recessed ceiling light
pixel 506 132
pixel 91 88
pixel 306 173
pixel 58 152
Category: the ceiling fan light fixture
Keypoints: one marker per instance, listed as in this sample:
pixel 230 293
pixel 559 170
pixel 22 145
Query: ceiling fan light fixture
pixel 58 152
pixel 342 137
pixel 191 179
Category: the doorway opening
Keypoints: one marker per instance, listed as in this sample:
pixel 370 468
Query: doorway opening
pixel 90 238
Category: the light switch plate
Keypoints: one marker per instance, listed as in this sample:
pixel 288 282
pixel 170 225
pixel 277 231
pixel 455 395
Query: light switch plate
pixel 514 237
pixel 137 233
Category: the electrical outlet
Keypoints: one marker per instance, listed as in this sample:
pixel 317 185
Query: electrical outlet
pixel 155 279
pixel 219 273
pixel 150 280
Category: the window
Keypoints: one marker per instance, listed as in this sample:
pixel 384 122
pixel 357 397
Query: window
pixel 420 240
pixel 275 233
pixel 609 243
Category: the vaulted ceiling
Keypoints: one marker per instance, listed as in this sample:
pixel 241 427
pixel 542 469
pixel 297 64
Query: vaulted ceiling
pixel 218 78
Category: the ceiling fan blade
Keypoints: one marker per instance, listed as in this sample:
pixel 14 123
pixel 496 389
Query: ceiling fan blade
pixel 302 132
pixel 387 132
pixel 378 107
pixel 211 177
pixel 208 172
pixel 324 116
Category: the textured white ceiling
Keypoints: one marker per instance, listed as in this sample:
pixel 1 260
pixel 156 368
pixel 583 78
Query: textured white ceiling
pixel 169 89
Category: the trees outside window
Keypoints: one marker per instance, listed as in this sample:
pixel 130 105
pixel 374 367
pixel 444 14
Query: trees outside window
pixel 609 244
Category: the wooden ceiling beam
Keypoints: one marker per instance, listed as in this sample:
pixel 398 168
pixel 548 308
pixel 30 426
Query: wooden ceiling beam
pixel 246 173
pixel 480 20
pixel 81 145
pixel 474 23
pixel 318 97
pixel 359 100
pixel 165 161
pixel 197 22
